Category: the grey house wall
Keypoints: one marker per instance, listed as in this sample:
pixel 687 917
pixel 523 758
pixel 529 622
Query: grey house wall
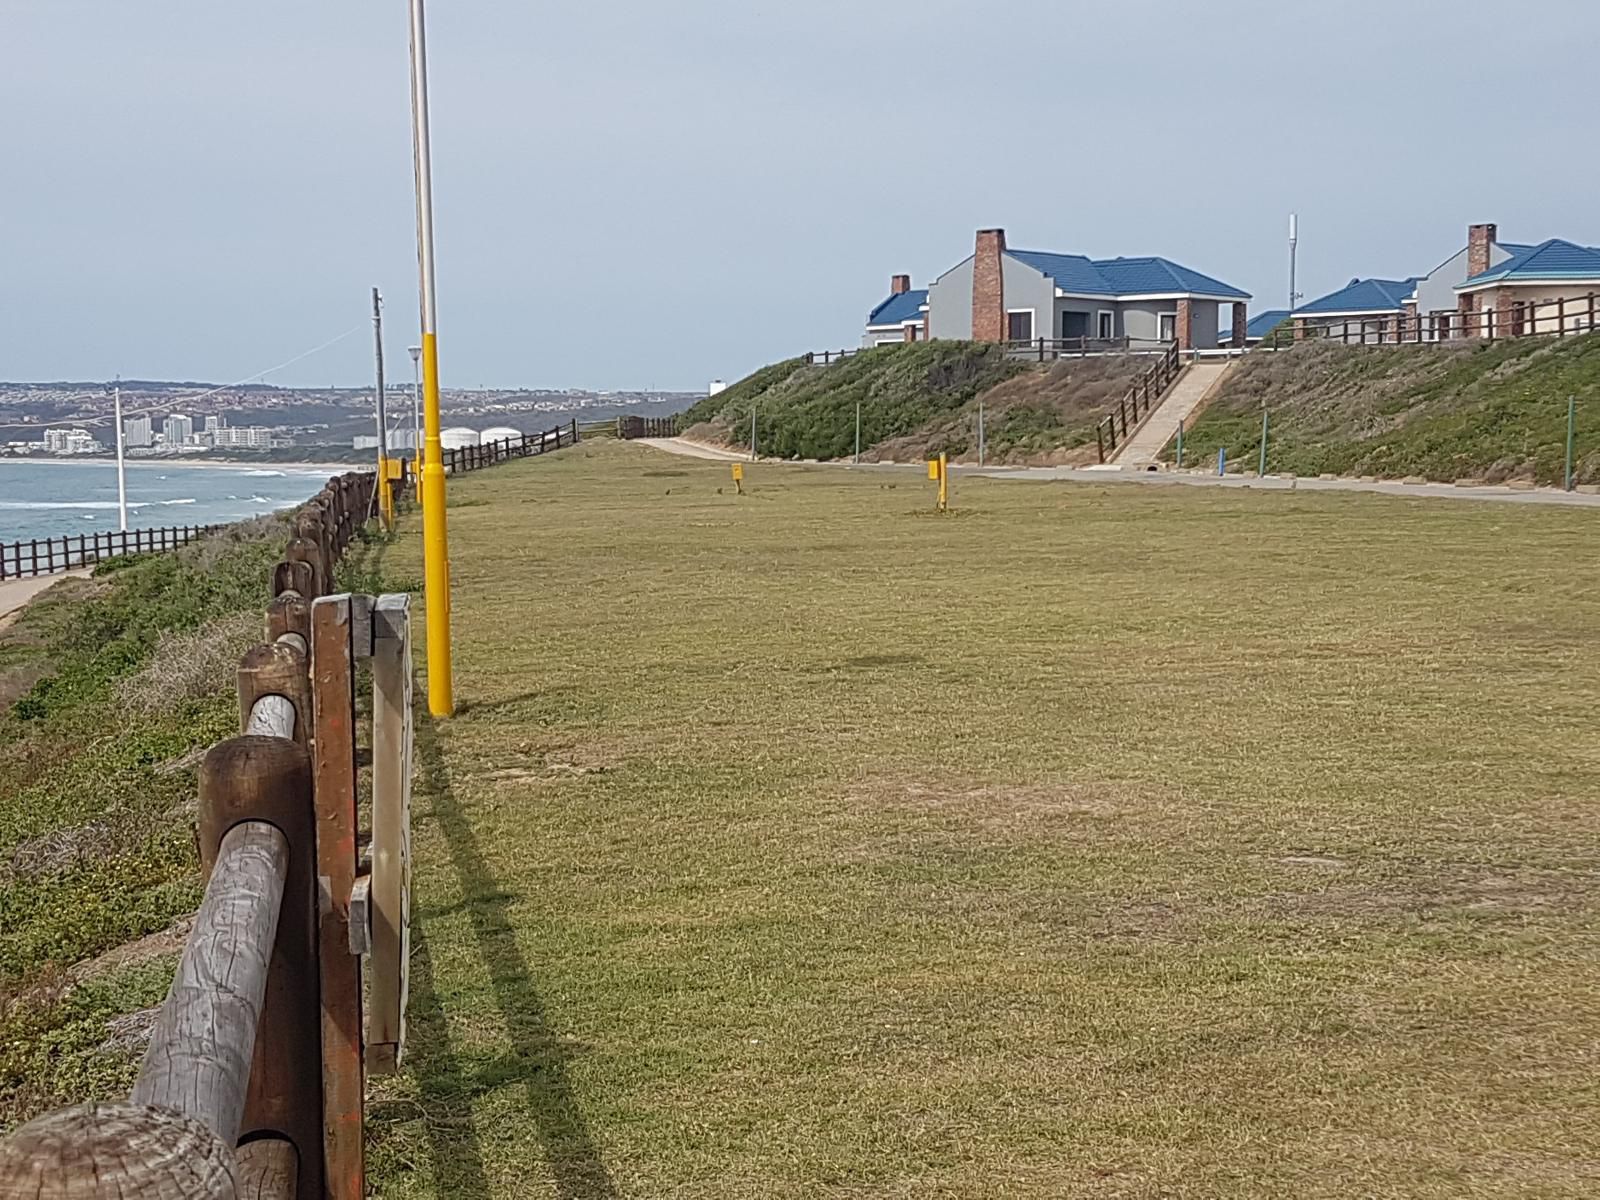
pixel 1437 293
pixel 1092 309
pixel 950 299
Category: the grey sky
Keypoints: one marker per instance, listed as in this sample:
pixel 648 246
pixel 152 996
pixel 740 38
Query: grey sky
pixel 646 194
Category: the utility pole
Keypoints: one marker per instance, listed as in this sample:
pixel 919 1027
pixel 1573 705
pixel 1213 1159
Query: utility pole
pixel 385 492
pixel 1294 244
pixel 752 433
pixel 435 534
pixel 122 470
pixel 980 433
pixel 858 433
pixel 416 417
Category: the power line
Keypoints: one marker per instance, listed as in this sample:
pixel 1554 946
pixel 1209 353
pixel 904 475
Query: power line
pixel 257 377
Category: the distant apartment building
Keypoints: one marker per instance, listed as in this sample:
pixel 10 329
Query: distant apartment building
pixel 70 441
pixel 177 429
pixel 248 437
pixel 214 423
pixel 137 433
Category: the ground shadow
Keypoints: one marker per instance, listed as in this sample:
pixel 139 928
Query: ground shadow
pixel 538 1060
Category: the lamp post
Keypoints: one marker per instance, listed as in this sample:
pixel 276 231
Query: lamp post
pixel 122 473
pixel 416 416
pixel 435 537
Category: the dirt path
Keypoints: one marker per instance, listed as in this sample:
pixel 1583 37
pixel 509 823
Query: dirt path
pixel 14 593
pixel 1391 487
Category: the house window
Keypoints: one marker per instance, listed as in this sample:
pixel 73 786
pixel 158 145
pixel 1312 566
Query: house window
pixel 1019 325
pixel 1108 325
pixel 1167 327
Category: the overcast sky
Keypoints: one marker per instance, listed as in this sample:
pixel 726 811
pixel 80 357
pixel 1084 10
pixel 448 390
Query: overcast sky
pixel 653 195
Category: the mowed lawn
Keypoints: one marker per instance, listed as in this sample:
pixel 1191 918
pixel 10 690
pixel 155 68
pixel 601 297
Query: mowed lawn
pixel 1086 841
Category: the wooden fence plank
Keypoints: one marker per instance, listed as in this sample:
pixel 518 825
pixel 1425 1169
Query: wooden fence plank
pixel 391 832
pixel 334 769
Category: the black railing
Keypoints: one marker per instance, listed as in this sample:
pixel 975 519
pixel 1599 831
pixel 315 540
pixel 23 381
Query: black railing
pixel 50 556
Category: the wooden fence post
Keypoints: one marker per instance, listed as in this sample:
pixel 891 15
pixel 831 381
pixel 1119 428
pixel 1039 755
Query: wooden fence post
pixel 334 641
pixel 392 747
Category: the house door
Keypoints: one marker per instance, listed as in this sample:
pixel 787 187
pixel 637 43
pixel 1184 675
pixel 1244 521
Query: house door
pixel 1074 325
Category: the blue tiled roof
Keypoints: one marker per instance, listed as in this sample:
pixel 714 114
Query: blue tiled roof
pixel 1363 295
pixel 1554 259
pixel 1079 274
pixel 907 306
pixel 1258 326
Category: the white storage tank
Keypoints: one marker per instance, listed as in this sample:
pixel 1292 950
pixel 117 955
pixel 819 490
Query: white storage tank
pixel 501 433
pixel 458 438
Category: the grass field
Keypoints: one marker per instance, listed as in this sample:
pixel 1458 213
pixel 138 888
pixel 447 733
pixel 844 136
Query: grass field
pixel 1092 842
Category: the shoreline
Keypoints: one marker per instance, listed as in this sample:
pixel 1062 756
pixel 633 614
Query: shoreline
pixel 185 463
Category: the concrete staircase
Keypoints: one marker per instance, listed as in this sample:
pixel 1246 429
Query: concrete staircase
pixel 1182 401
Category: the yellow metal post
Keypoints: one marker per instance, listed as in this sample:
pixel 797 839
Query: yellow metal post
pixel 944 482
pixel 435 538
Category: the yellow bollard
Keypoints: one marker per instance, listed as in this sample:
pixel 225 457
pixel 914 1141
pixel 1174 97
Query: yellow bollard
pixel 939 472
pixel 738 478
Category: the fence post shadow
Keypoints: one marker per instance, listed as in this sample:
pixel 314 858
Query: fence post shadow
pixel 535 1059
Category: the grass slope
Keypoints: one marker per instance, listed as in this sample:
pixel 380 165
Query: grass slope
pixel 918 400
pixel 114 688
pixel 1495 411
pixel 808 844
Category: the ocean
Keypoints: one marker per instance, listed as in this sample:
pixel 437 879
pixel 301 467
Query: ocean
pixel 49 499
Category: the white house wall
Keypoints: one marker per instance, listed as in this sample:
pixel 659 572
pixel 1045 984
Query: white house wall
pixel 1437 292
pixel 950 299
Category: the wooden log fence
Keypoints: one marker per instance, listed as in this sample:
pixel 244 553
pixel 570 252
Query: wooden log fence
pixel 254 1080
pixel 646 427
pixel 1140 400
pixel 51 556
pixel 1561 316
pixel 488 454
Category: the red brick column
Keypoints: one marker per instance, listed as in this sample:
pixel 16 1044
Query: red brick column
pixel 988 287
pixel 1299 329
pixel 910 333
pixel 1241 322
pixel 1470 325
pixel 1185 325
pixel 1505 323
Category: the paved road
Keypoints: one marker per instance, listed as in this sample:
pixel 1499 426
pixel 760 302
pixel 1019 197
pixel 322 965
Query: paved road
pixel 1271 483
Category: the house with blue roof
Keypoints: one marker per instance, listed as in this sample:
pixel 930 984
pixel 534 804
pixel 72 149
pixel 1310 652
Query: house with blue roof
pixel 1488 288
pixel 903 317
pixel 1258 328
pixel 1548 288
pixel 1003 295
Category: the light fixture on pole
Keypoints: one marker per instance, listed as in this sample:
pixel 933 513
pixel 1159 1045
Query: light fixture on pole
pixel 435 536
pixel 416 416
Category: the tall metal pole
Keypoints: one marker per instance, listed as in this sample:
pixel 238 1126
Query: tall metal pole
pixel 122 472
pixel 1261 468
pixel 980 433
pixel 1294 243
pixel 1572 417
pixel 385 492
pixel 416 416
pixel 858 433
pixel 435 536
pixel 752 433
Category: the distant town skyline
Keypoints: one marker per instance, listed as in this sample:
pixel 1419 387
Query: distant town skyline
pixel 635 197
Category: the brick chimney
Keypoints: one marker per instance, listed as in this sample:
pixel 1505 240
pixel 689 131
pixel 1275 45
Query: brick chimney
pixel 1479 239
pixel 988 287
pixel 899 285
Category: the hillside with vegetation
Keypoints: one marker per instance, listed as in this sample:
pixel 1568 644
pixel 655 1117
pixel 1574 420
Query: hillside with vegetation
pixel 111 688
pixel 919 400
pixel 1495 412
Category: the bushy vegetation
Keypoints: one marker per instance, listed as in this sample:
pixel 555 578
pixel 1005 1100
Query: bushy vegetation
pixel 96 799
pixel 809 411
pixel 1495 411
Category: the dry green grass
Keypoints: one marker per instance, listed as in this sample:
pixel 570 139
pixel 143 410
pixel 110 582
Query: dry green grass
pixel 1092 842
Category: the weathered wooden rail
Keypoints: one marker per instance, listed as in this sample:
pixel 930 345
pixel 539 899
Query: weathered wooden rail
pixel 487 454
pixel 50 556
pixel 1139 402
pixel 253 1084
pixel 646 427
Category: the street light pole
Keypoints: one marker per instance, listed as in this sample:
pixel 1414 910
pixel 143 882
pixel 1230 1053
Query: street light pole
pixel 385 492
pixel 122 472
pixel 435 536
pixel 416 416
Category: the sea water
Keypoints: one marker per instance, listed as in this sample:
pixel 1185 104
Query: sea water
pixel 49 499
